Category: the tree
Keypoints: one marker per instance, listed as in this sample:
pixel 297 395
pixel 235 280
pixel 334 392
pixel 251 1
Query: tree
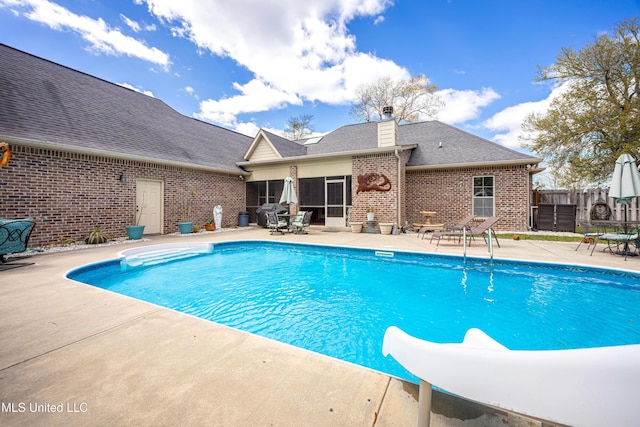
pixel 299 127
pixel 597 116
pixel 411 100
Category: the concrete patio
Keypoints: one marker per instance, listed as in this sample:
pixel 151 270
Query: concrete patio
pixel 73 354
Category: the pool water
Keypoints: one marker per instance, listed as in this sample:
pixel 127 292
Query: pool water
pixel 339 301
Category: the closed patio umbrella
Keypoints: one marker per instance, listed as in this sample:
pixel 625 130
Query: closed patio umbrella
pixel 288 193
pixel 625 184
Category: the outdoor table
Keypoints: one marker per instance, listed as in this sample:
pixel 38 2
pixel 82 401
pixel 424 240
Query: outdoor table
pixel 634 227
pixel 286 217
pixel 428 225
pixel 618 237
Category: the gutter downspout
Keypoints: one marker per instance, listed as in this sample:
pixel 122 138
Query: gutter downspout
pixel 399 210
pixel 529 197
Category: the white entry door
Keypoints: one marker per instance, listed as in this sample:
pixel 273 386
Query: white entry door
pixel 149 205
pixel 335 203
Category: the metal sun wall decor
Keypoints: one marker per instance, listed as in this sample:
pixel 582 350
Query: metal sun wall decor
pixel 373 182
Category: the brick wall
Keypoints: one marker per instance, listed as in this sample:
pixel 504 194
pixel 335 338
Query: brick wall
pixel 449 193
pixel 68 194
pixel 293 173
pixel 385 203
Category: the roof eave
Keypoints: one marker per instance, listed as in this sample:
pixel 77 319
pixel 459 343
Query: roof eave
pixel 307 157
pixel 50 145
pixel 533 161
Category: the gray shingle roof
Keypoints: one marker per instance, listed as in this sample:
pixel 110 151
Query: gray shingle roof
pixel 286 147
pixel 360 136
pixel 458 146
pixel 44 101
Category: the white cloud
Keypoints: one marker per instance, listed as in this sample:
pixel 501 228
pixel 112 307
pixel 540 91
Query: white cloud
pixel 191 91
pixel 100 36
pixel 295 51
pixel 135 26
pixel 300 51
pixel 128 86
pixel 463 105
pixel 247 128
pixel 508 123
pixel 131 24
pixel 254 96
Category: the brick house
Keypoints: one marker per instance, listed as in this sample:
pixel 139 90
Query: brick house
pixel 426 166
pixel 85 152
pixel 88 152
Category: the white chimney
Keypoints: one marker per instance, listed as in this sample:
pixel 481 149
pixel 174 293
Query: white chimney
pixel 387 129
pixel 387 112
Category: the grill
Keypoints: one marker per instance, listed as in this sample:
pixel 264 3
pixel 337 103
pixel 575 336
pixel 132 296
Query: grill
pixel 261 212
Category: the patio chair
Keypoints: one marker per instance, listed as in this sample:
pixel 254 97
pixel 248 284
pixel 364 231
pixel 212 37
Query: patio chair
pixel 485 229
pixel 301 221
pixel 591 231
pixel 463 224
pixel 275 224
pixel 14 236
pixel 296 222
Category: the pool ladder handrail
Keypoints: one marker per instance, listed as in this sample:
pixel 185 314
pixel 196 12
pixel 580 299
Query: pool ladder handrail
pixel 464 244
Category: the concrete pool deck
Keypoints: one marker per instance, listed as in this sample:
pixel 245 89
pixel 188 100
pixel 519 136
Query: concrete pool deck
pixel 72 354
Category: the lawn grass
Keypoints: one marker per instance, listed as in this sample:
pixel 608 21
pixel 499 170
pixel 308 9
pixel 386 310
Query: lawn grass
pixel 545 237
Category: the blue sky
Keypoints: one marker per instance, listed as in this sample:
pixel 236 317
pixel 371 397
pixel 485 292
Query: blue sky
pixel 249 64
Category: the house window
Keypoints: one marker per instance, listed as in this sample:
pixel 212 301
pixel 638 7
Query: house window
pixel 261 192
pixel 483 199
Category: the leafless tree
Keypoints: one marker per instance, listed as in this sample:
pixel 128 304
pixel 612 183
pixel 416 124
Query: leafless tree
pixel 412 100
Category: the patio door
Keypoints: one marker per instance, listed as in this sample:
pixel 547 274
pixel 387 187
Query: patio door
pixel 149 206
pixel 335 206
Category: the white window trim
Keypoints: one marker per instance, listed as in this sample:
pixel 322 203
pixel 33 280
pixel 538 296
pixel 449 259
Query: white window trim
pixel 474 197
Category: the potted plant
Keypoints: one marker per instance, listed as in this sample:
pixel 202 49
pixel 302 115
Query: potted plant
pixel 96 237
pixel 210 225
pixel 186 227
pixel 134 232
pixel 371 213
pixel 386 227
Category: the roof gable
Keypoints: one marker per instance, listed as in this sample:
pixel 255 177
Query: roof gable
pixel 269 146
pixel 261 149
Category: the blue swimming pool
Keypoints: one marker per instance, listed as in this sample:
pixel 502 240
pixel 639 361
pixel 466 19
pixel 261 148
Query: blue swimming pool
pixel 339 301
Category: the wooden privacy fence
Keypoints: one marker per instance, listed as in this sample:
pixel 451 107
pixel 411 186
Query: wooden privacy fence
pixel 591 204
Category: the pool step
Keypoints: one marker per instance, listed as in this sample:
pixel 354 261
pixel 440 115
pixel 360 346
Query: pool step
pixel 163 253
pixel 157 258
